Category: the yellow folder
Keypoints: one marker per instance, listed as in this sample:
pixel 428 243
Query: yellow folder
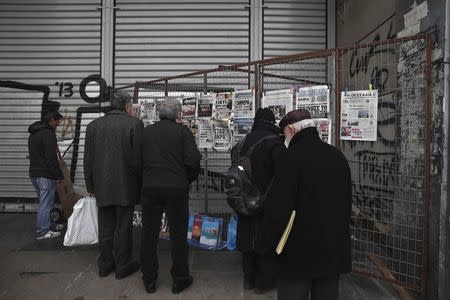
pixel 285 235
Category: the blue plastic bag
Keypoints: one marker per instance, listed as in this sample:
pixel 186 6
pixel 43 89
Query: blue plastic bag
pixel 232 231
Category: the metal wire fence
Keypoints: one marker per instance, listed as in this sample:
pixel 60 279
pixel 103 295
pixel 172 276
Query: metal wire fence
pixel 390 176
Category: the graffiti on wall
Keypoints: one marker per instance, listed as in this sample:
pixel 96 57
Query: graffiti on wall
pixel 374 164
pixel 70 127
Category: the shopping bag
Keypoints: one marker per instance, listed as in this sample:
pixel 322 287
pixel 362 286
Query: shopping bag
pixel 64 188
pixel 82 226
pixel 232 232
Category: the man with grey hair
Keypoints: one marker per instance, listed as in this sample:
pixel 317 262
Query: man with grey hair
pixel 314 180
pixel 112 172
pixel 171 161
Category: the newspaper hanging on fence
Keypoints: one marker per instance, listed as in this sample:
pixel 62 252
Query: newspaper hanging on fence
pixel 204 105
pixel 149 107
pixel 205 133
pixel 223 105
pixel 221 135
pixel 315 99
pixel 241 127
pixel 244 104
pixel 324 129
pixel 359 112
pixel 188 108
pixel 278 101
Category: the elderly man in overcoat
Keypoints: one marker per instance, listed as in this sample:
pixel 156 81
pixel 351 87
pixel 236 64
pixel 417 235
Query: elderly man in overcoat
pixel 315 181
pixel 112 171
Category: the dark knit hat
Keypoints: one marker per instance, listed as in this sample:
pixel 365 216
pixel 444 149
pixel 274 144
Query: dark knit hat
pixel 294 117
pixel 264 114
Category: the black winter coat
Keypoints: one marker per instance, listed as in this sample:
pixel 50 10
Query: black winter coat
pixel 42 151
pixel 170 156
pixel 263 161
pixel 112 169
pixel 314 180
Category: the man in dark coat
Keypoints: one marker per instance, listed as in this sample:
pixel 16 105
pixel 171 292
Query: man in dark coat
pixel 171 161
pixel 314 180
pixel 112 173
pixel 45 171
pixel 258 268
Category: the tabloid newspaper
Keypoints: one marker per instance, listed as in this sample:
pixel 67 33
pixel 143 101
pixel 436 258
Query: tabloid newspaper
pixel 223 104
pixel 244 104
pixel 315 99
pixel 221 135
pixel 359 113
pixel 279 101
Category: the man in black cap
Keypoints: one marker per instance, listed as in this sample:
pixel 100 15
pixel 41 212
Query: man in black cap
pixel 315 181
pixel 258 267
pixel 45 171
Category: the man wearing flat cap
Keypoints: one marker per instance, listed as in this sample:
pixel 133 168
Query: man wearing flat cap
pixel 315 181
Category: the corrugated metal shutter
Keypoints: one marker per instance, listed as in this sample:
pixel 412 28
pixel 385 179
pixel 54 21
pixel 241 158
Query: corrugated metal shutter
pixel 155 38
pixel 45 42
pixel 291 27
pixel 294 26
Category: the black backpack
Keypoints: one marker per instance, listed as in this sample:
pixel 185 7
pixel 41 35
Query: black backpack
pixel 242 194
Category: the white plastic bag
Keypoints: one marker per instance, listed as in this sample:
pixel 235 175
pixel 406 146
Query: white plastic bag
pixel 82 226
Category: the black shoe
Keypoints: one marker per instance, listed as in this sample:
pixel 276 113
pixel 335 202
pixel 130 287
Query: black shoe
pixel 181 283
pixel 249 284
pixel 129 269
pixel 150 287
pixel 105 271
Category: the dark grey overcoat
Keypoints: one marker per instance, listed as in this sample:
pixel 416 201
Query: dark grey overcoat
pixel 112 167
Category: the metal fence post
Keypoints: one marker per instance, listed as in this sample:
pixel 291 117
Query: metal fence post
pixel 205 83
pixel 166 88
pixel 205 175
pixel 257 86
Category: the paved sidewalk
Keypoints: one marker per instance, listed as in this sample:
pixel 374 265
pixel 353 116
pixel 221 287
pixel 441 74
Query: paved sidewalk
pixel 33 269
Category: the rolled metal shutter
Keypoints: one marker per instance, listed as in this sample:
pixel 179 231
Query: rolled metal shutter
pixel 294 26
pixel 155 39
pixel 53 43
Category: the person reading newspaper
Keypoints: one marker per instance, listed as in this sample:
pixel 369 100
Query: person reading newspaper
pixel 314 180
pixel 257 266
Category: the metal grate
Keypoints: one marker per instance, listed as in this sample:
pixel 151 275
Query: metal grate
pixel 390 176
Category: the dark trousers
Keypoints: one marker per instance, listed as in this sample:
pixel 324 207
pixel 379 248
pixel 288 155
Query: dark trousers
pixel 321 289
pixel 115 224
pixel 175 203
pixel 259 269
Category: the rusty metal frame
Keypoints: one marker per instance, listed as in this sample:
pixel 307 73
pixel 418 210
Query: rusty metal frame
pixel 255 68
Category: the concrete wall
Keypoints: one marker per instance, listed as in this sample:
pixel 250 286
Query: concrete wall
pixel 397 73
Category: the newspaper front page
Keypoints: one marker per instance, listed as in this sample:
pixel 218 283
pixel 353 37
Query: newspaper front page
pixel 324 128
pixel 205 133
pixel 279 101
pixel 244 104
pixel 204 105
pixel 359 113
pixel 221 135
pixel 315 99
pixel 188 107
pixel 241 127
pixel 223 104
